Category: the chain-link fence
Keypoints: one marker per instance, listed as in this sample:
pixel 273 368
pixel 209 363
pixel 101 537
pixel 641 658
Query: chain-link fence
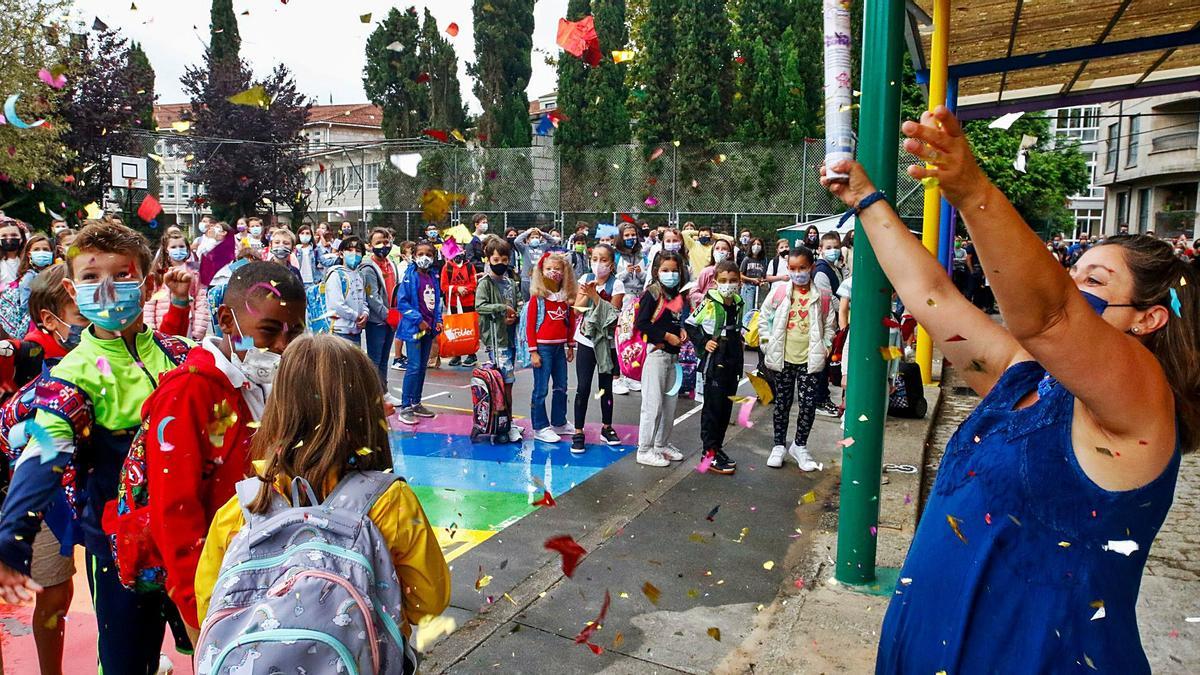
pixel 729 185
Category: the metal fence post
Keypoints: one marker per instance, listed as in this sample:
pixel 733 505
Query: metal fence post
pixel 673 214
pixel 804 180
pixel 858 513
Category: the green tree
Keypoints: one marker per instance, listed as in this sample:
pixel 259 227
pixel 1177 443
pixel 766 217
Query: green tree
pixel 140 76
pixel 764 104
pixel 653 35
pixel 503 48
pixel 1054 170
pixel 225 43
pixel 702 88
pixel 607 92
pixel 391 76
pixel 440 61
pixel 572 98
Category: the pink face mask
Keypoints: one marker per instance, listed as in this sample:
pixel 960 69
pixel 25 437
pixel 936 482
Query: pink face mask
pixel 553 275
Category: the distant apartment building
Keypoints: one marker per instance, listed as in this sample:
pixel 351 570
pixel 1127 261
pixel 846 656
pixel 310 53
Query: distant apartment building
pixel 1081 124
pixel 1149 164
pixel 176 194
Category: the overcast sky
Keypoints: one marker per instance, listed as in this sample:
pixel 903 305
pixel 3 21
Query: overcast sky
pixel 322 41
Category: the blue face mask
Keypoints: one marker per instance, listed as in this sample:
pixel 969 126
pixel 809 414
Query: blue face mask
pixel 833 255
pixel 630 243
pixel 178 254
pixel 352 260
pixel 1099 304
pixel 41 259
pixel 668 279
pixel 74 335
pixel 113 306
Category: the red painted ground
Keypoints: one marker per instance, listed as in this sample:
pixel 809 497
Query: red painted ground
pixel 20 654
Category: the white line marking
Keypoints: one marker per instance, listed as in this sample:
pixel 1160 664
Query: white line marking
pixel 435 395
pixel 700 407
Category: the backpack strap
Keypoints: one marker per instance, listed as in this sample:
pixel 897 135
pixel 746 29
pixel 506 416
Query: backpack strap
pixel 173 346
pixel 247 491
pixel 359 490
pixel 65 400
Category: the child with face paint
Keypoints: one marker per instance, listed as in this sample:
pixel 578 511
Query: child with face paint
pixel 115 367
pixel 345 295
pixel 796 328
pixel 192 471
pixel 660 321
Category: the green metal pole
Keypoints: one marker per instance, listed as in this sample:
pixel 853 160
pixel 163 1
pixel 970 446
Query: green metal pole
pixel 878 139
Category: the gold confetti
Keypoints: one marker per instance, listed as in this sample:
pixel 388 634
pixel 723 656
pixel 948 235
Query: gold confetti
pixel 769 565
pixel 954 525
pixel 809 497
pixel 651 592
pixel 618 639
pixel 432 629
pixel 1104 451
pixel 931 302
pixel 1065 544
pixel 693 593
pixel 715 633
pixel 483 579
pixel 742 536
pixel 363 452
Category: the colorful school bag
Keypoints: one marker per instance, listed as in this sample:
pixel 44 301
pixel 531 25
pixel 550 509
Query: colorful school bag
pixel 14 310
pixel 308 588
pixel 524 357
pixel 631 346
pixel 316 311
pixel 492 414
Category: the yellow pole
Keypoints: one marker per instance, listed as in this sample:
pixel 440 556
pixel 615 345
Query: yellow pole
pixel 938 57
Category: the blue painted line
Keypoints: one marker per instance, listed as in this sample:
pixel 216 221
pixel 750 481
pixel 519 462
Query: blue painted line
pixel 536 452
pixel 472 474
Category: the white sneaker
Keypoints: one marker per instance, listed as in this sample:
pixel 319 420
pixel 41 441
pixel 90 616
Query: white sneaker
pixel 619 386
pixel 165 667
pixel 775 460
pixel 546 435
pixel 648 457
pixel 633 385
pixel 670 452
pixel 564 430
pixel 514 434
pixel 391 400
pixel 805 460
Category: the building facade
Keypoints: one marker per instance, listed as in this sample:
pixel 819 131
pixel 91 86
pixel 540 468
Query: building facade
pixel 1149 165
pixel 1081 125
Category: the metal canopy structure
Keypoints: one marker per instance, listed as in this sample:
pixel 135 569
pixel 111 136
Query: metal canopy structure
pixel 1022 55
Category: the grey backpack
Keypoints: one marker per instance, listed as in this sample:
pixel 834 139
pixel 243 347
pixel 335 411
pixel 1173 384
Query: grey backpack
pixel 307 589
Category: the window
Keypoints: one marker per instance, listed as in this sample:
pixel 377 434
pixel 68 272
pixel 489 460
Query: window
pixel 320 181
pixel 1131 151
pixel 373 176
pixel 1078 123
pixel 169 186
pixel 337 179
pixel 1093 191
pixel 1088 221
pixel 185 189
pixel 1145 197
pixel 1123 209
pixel 354 177
pixel 1111 141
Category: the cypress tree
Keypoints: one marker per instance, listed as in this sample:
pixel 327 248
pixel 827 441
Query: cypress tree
pixel 607 93
pixel 390 75
pixel 441 63
pixel 573 90
pixel 653 71
pixel 702 88
pixel 503 47
pixel 225 43
pixel 768 103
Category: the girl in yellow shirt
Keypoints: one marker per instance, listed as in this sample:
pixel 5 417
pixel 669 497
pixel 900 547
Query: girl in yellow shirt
pixel 325 418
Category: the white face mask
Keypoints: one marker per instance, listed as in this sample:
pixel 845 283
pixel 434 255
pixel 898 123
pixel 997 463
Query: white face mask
pixel 483 226
pixel 720 256
pixel 601 269
pixel 727 290
pixel 672 246
pixel 756 249
pixel 424 261
pixel 258 365
pixel 305 238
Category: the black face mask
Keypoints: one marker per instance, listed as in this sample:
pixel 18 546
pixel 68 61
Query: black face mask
pixel 10 245
pixel 381 251
pixel 510 240
pixel 499 269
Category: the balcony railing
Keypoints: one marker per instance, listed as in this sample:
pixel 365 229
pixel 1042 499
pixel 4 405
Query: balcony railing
pixel 1180 140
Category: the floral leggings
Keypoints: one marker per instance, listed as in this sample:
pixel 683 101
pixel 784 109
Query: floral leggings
pixel 795 379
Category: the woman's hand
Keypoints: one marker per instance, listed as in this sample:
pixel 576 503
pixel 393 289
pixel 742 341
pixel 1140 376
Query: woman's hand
pixel 939 140
pixel 851 191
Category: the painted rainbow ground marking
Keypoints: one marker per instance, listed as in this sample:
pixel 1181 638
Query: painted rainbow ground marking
pixel 471 491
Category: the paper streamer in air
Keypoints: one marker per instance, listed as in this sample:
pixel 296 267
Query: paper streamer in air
pixel 678 381
pixel 743 417
pixel 839 132
pixel 10 112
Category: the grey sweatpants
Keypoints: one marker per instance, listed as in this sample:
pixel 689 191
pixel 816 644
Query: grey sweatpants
pixel 658 409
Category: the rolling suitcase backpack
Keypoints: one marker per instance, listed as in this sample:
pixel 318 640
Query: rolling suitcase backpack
pixel 492 414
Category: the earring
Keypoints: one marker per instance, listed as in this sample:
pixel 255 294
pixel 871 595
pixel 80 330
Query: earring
pixel 1137 331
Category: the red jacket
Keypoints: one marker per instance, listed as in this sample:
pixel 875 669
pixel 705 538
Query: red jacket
pixel 454 277
pixel 558 323
pixel 206 453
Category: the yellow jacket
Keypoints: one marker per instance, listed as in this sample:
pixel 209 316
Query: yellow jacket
pixel 411 539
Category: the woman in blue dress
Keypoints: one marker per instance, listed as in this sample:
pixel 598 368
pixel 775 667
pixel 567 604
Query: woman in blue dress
pixel 1029 555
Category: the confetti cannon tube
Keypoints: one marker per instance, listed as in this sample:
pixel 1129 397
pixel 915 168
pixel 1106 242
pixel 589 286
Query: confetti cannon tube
pixel 839 132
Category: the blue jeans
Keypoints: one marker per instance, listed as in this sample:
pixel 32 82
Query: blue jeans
pixel 418 360
pixel 554 364
pixel 379 345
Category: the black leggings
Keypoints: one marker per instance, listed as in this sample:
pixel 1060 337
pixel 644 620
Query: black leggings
pixel 792 380
pixel 585 366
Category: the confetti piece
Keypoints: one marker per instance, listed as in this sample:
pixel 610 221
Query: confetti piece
pixel 1124 547
pixel 255 97
pixel 1175 306
pixel 907 499
pixel 162 427
pixel 452 29
pixel 363 452
pixel 712 514
pixel 890 353
pixel 571 552
pixel 594 625
pixel 181 126
pixel 714 633
pixel 743 418
pixel 103 366
pixel 365 18
pixel 674 391
pixel 656 154
pixel 55 81
pixel 482 580
pixel 956 338
pixel 618 640
pixel 622 55
pixel 1099 613
pixel 742 536
pixel 931 302
pixel 651 201
pixel 431 629
pixel 954 525
pixel 600 394
pixel 10 113
pixel 799 583
pixel 809 497
pixel 769 565
pixel 846 442
pixel 651 592
pixel 930 182
pixel 1088 660
pixel 546 500
pixel 862 418
pixel 1104 451
pixel 706 461
pixel 762 389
